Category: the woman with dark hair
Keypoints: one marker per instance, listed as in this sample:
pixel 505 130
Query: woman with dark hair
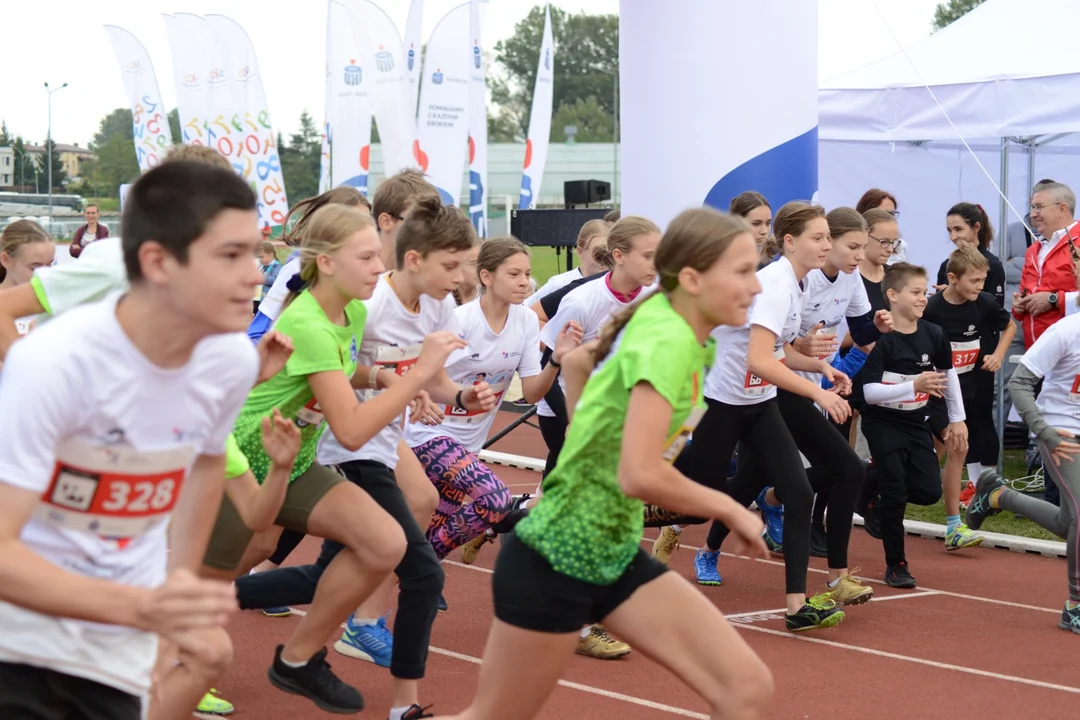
pixel 968 224
pixel 876 198
pixel 755 209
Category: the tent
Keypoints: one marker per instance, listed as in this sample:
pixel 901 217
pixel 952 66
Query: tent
pixel 1007 75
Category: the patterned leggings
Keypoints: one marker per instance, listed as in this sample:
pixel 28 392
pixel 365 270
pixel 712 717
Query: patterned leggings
pixel 459 475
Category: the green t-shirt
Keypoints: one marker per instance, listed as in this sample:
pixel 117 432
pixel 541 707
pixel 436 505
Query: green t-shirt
pixel 584 525
pixel 236 463
pixel 319 346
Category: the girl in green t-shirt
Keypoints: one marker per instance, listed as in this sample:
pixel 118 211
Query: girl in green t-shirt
pixel 576 559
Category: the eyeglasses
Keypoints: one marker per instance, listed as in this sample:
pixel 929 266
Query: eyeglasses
pixel 894 213
pixel 885 243
pixel 1040 208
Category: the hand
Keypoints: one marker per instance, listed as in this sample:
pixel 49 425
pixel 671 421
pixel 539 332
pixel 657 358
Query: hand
pixel 883 321
pixel 992 363
pixel 1038 303
pixel 931 382
pixel 275 349
pixel 281 439
pixel 1019 303
pixel 1066 448
pixel 836 406
pixel 940 288
pixel 956 437
pixel 568 339
pixel 841 383
pixel 424 411
pixel 817 344
pixel 184 603
pixel 746 529
pixel 168 658
pixel 435 351
pixel 478 397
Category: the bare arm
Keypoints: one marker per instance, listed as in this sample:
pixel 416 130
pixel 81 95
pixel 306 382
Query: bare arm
pixel 195 512
pixel 577 366
pixel 760 361
pixel 259 506
pixel 15 303
pixel 352 422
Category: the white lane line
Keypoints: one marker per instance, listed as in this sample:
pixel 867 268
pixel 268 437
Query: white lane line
pixel 610 694
pixel 917 661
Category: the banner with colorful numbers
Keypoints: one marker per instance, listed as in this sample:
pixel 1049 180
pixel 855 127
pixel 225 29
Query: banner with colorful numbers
pixel 149 120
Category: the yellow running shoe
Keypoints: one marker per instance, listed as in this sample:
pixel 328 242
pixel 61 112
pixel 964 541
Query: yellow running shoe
pixel 961 537
pixel 849 591
pixel 665 544
pixel 598 644
pixel 471 549
pixel 211 704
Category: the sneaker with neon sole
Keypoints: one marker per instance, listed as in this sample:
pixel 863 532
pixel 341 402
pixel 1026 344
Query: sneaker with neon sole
pixel 817 612
pixel 214 704
pixel 373 643
pixel 598 644
pixel 705 567
pixel 278 612
pixel 961 537
pixel 666 544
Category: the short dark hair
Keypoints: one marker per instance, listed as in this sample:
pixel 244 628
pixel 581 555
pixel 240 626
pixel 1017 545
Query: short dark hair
pixel 898 275
pixel 431 226
pixel 173 204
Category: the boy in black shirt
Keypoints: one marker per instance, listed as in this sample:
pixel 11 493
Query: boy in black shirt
pixel 905 370
pixel 979 331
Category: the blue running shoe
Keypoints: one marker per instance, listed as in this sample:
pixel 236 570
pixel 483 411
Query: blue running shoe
pixel 773 516
pixel 705 567
pixel 374 643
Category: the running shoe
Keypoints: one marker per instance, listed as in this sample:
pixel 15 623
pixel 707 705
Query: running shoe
pixel 898 576
pixel 1070 619
pixel 705 567
pixel 443 607
pixel 278 612
pixel 517 514
pixel 773 516
pixel 961 537
pixel 317 682
pixel 849 590
pixel 415 712
pixel 980 509
pixel 819 541
pixel 665 544
pixel 598 644
pixel 471 549
pixel 212 704
pixel 819 611
pixel 374 643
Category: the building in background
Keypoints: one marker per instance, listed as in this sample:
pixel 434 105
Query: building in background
pixel 7 167
pixel 72 157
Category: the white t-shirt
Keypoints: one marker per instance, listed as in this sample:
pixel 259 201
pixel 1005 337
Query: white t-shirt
pixel 392 338
pixel 778 309
pixel 830 302
pixel 109 459
pixel 590 305
pixel 491 357
pixel 279 291
pixel 1055 356
pixel 554 283
pixel 98 272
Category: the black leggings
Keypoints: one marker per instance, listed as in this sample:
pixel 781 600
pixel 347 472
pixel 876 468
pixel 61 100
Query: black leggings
pixel 983 445
pixel 553 429
pixel 761 429
pixel 420 576
pixel 833 466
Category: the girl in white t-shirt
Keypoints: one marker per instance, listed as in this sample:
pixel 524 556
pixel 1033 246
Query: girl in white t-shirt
pixel 24 247
pixel 592 234
pixel 1054 360
pixel 503 338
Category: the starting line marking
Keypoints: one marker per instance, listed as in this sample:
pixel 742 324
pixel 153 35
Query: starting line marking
pixel 917 661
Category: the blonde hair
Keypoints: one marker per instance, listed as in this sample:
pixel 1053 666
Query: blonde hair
pixel 17 235
pixel 876 216
pixel 328 230
pixel 199 154
pixel 964 259
pixel 589 230
pixel 622 236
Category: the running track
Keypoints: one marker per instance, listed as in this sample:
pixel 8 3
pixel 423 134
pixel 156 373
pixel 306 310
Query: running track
pixel 977 639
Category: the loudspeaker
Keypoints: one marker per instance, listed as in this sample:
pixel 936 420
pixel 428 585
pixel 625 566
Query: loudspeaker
pixel 551 228
pixel 586 192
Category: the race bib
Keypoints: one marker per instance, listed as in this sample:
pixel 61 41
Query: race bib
pixel 964 355
pixel 456 416
pixel 753 385
pixel 826 332
pixel 398 359
pixel 310 414
pixel 113 491
pixel 920 400
pixel 1074 394
pixel 677 442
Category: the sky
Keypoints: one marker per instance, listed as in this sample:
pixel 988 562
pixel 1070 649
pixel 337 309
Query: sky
pixel 58 41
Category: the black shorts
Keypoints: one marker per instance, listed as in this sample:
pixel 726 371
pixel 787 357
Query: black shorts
pixel 532 595
pixel 42 694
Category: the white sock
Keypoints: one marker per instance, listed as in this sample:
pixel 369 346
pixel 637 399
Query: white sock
pixel 398 713
pixel 974 470
pixel 585 631
pixel 833 583
pixel 676 528
pixel 286 663
pixel 365 621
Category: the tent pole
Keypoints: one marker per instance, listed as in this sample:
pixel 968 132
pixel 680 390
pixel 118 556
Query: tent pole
pixel 1003 224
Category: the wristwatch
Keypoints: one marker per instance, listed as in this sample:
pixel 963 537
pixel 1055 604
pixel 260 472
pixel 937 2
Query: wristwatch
pixel 1053 300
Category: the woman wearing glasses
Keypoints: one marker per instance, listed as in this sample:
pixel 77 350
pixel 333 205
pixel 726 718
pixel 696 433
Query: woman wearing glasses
pixel 875 198
pixel 883 238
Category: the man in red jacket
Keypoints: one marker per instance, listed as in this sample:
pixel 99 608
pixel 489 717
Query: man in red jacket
pixel 1048 290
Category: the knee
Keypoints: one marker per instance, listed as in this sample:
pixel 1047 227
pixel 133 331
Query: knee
pixel 423 500
pixel 493 506
pixel 209 658
pixel 385 554
pixel 853 470
pixel 748 693
pixel 422 572
pixel 925 496
pixel 798 498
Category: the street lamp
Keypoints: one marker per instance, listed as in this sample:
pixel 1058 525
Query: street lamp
pixel 49 146
pixel 614 73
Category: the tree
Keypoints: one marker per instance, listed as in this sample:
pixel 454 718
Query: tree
pixel 59 177
pixel 24 168
pixel 5 136
pixel 592 123
pixel 300 159
pixel 949 12
pixel 586 55
pixel 115 160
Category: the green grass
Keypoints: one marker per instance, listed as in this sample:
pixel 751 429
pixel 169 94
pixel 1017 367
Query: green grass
pixel 1007 522
pixel 105 204
pixel 545 264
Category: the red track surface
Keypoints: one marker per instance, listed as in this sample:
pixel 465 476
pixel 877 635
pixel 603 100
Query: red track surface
pixel 978 639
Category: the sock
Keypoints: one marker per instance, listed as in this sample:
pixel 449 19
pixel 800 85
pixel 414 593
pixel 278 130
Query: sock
pixel 951 522
pixel 365 621
pixel 833 583
pixel 398 713
pixel 676 528
pixel 585 631
pixel 974 470
pixel 995 497
pixel 286 663
pixel 1070 605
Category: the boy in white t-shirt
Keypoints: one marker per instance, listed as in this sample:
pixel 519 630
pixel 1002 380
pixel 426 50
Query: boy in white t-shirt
pixel 104 485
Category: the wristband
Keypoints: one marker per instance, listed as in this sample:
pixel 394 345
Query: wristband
pixel 552 363
pixel 373 377
pixel 457 400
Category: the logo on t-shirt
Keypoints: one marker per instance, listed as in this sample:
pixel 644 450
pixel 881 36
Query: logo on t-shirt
pixel 970 330
pixel 925 359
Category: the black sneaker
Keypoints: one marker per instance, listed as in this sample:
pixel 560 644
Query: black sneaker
pixel 898 576
pixel 820 611
pixel 979 508
pixel 516 515
pixel 819 541
pixel 317 683
pixel 415 712
pixel 1070 620
pixel 443 607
